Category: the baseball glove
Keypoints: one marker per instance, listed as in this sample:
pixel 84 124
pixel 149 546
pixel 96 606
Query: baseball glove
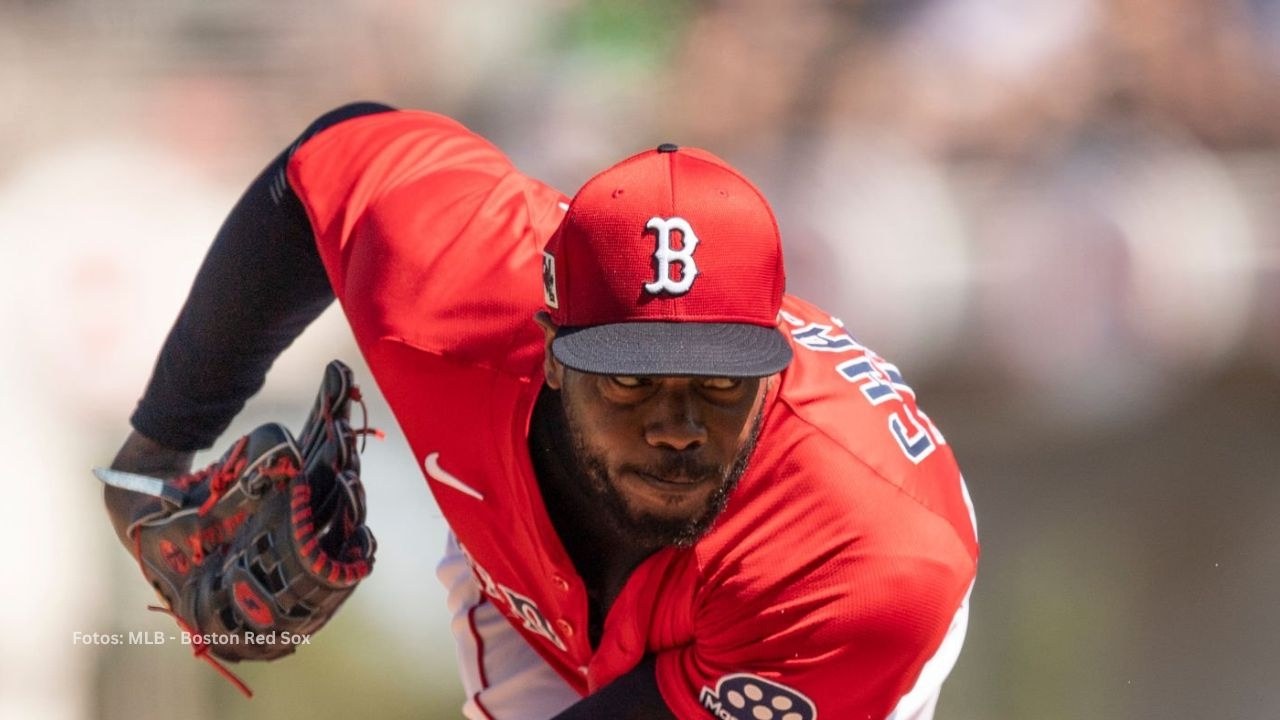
pixel 256 552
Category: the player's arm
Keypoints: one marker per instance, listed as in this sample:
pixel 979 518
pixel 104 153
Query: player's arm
pixel 260 285
pixel 633 696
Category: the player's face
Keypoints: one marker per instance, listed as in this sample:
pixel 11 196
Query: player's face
pixel 661 454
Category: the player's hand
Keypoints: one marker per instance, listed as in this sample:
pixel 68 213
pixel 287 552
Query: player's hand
pixel 140 454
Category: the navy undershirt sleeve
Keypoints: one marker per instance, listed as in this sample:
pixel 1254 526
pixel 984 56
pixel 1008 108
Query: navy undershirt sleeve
pixel 258 288
pixel 634 696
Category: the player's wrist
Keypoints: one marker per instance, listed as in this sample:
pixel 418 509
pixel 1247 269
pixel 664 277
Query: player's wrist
pixel 140 454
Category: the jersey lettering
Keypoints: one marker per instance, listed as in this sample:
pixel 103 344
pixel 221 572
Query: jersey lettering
pixel 666 255
pixel 878 380
pixel 534 621
pixel 487 585
pixel 824 338
pixel 513 603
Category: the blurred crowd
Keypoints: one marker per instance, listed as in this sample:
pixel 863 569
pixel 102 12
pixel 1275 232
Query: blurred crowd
pixel 1060 192
pixel 1059 215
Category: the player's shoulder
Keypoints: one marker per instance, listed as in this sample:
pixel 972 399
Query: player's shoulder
pixel 864 415
pixel 361 161
pixel 401 196
pixel 823 554
pixel 809 510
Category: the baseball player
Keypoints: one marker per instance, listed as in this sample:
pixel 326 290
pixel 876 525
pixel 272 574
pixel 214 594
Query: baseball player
pixel 674 491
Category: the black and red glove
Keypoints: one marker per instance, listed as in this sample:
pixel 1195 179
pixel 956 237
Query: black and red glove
pixel 256 552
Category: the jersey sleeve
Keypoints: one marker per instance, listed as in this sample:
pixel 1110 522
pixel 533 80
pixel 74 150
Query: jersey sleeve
pixel 838 624
pixel 427 232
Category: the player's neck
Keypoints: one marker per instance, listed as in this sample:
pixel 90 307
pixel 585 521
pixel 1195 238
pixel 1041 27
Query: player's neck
pixel 602 555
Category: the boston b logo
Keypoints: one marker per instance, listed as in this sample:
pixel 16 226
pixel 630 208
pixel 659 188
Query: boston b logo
pixel 666 256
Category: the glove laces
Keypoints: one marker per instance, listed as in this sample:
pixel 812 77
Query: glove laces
pixel 200 647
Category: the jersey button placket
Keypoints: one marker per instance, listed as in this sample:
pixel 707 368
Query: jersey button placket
pixel 563 626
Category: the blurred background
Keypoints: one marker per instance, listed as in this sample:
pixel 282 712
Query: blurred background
pixel 1058 217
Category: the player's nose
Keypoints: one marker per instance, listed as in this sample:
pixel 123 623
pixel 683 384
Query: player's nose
pixel 676 421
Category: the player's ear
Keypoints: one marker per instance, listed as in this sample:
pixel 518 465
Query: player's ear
pixel 550 366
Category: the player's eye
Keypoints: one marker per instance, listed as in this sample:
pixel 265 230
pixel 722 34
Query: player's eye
pixel 716 383
pixel 627 381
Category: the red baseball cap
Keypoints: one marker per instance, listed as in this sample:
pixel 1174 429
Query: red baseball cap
pixel 668 263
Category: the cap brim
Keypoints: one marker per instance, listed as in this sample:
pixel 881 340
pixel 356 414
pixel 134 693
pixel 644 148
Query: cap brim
pixel 673 348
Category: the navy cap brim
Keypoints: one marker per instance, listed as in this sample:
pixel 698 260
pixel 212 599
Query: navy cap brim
pixel 673 348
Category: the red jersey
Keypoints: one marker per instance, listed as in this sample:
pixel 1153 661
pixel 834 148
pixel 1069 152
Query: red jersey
pixel 841 558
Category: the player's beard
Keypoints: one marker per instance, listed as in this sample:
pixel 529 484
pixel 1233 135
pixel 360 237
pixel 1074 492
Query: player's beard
pixel 646 529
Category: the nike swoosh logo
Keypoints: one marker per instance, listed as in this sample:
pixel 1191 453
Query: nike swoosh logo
pixel 444 477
